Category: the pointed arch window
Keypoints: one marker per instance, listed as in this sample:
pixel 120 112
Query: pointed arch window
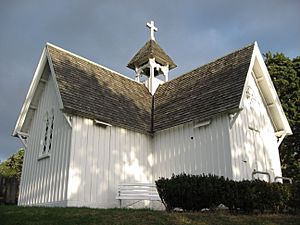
pixel 51 131
pixel 45 141
pixel 47 137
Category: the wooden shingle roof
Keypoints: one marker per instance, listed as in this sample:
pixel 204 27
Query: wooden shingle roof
pixel 204 92
pixel 151 50
pixel 95 92
pixel 92 91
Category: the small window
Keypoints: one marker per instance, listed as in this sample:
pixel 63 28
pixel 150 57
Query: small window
pixel 51 131
pixel 45 140
pixel 47 134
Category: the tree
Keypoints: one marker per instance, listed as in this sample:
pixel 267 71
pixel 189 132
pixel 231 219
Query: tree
pixel 285 74
pixel 12 167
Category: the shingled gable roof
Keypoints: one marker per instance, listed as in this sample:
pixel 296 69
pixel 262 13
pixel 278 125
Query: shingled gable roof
pixel 92 91
pixel 95 92
pixel 205 92
pixel 151 50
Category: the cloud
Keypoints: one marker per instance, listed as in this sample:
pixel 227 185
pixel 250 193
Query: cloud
pixel 111 32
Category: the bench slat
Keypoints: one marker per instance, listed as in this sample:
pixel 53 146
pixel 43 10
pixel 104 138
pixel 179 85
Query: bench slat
pixel 142 189
pixel 138 184
pixel 137 191
pixel 139 198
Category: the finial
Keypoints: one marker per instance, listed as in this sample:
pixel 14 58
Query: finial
pixel 152 29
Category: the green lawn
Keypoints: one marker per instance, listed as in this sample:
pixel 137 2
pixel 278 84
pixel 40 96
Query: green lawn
pixel 82 216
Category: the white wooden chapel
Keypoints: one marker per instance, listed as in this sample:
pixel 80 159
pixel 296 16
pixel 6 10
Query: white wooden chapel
pixel 88 129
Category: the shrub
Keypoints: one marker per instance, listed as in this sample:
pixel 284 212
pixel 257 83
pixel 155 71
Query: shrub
pixel 294 201
pixel 195 192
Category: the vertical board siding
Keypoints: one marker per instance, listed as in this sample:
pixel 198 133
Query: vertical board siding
pixel 103 157
pixel 193 150
pixel 87 161
pixel 253 149
pixel 43 181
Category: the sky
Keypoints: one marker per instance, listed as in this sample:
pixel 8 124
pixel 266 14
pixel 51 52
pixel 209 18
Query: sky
pixel 192 33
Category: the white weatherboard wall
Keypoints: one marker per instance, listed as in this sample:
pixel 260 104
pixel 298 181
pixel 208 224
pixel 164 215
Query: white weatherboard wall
pixel 103 157
pixel 193 150
pixel 88 161
pixel 44 181
pixel 253 140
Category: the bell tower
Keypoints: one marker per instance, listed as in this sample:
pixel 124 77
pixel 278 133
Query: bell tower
pixel 150 62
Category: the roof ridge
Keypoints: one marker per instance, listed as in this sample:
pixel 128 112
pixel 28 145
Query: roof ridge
pixel 212 61
pixel 90 61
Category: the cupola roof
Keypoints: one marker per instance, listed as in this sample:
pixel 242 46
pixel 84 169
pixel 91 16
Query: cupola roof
pixel 151 50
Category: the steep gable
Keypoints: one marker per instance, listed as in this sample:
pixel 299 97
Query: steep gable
pixel 203 93
pixel 37 86
pixel 262 78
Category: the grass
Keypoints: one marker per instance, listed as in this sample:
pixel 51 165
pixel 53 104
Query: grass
pixel 84 216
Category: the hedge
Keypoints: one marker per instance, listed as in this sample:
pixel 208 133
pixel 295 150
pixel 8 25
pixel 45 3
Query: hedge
pixel 195 192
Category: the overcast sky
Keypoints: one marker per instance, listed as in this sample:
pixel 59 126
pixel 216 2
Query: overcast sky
pixel 110 33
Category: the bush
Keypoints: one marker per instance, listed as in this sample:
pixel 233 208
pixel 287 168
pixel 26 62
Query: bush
pixel 294 201
pixel 195 192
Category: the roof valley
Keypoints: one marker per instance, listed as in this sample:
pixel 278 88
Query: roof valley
pixel 127 103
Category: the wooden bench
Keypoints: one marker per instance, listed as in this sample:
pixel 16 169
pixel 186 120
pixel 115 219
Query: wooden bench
pixel 138 192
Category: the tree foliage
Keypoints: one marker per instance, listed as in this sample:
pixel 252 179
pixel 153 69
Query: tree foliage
pixel 285 73
pixel 12 167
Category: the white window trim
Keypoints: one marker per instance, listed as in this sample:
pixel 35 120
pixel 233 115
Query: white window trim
pixel 50 116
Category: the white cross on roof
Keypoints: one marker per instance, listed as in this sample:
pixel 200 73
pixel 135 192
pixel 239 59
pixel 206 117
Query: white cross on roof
pixel 152 29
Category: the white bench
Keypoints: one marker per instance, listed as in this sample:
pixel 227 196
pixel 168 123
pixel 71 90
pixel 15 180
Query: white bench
pixel 138 192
